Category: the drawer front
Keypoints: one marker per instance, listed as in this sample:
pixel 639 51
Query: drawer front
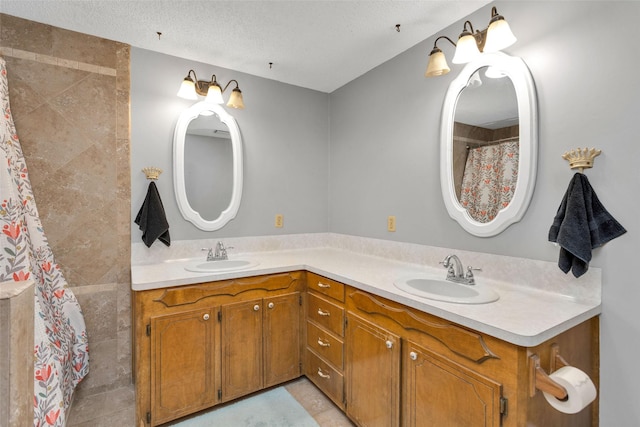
pixel 330 381
pixel 325 286
pixel 326 345
pixel 326 314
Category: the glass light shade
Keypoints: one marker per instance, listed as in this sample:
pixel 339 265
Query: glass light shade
pixel 214 94
pixel 466 50
pixel 499 36
pixel 188 90
pixel 437 65
pixel 235 99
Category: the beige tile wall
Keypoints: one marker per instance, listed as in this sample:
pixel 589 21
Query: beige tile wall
pixel 16 346
pixel 69 95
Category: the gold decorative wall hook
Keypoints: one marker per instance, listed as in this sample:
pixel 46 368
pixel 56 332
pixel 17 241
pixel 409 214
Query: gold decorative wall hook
pixel 581 158
pixel 152 172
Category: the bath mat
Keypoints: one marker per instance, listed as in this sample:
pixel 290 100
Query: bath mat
pixel 273 408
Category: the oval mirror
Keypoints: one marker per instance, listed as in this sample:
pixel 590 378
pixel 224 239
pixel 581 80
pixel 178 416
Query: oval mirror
pixel 207 166
pixel 489 146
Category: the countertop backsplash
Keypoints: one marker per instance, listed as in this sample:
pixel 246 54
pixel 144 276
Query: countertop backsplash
pixel 538 275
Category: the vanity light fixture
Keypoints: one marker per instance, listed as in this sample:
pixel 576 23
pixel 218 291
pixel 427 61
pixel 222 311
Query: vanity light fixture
pixel 495 37
pixel 211 90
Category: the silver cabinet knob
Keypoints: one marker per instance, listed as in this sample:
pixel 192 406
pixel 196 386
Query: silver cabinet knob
pixel 323 285
pixel 413 355
pixel 389 344
pixel 205 316
pixel 256 307
pixel 271 305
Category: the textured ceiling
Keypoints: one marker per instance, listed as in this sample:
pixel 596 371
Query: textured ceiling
pixel 320 45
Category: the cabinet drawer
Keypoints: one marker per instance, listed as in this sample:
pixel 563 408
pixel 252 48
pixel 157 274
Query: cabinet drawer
pixel 326 345
pixel 326 314
pixel 325 286
pixel 330 381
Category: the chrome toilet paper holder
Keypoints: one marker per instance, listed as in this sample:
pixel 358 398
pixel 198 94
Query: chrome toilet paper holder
pixel 540 380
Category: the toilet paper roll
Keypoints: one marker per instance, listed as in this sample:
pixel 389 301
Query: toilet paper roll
pixel 580 390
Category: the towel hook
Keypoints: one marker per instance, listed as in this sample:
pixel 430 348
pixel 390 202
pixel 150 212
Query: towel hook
pixel 152 172
pixel 581 158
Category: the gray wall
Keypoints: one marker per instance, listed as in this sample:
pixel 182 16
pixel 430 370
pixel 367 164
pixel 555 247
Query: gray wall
pixel 385 157
pixel 380 154
pixel 285 133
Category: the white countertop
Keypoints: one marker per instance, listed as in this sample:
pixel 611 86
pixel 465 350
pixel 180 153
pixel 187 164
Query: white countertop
pixel 523 315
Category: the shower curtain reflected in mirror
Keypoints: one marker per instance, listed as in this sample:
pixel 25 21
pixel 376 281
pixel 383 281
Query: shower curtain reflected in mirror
pixel 61 358
pixel 489 180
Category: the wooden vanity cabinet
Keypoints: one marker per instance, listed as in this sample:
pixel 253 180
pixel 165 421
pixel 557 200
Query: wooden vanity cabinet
pixel 265 349
pixel 372 374
pixel 383 363
pixel 450 375
pixel 184 378
pixel 440 392
pixel 200 345
pixel 324 331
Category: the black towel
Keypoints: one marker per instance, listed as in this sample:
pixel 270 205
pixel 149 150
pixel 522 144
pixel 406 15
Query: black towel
pixel 580 225
pixel 151 218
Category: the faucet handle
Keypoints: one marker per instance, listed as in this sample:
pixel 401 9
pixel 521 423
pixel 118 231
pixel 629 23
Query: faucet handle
pixel 209 253
pixel 449 266
pixel 470 271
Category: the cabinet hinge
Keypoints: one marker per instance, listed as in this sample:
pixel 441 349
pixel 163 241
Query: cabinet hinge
pixel 148 417
pixel 300 300
pixel 149 330
pixel 504 405
pixel 219 394
pixel 220 316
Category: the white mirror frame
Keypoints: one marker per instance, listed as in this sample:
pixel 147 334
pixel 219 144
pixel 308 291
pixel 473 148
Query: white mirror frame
pixel 179 138
pixel 517 71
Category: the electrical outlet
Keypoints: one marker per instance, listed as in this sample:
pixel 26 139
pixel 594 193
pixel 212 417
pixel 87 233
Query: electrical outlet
pixel 391 223
pixel 279 220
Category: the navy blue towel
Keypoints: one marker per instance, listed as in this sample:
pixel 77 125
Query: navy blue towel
pixel 152 220
pixel 581 224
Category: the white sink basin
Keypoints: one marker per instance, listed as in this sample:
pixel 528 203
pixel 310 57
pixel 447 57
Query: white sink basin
pixel 220 266
pixel 440 289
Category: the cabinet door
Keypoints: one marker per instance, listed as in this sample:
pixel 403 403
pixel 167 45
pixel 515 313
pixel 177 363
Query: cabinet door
pixel 281 328
pixel 440 392
pixel 372 373
pixel 185 371
pixel 241 348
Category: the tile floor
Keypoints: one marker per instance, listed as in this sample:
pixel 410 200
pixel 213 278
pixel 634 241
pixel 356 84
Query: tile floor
pixel 117 407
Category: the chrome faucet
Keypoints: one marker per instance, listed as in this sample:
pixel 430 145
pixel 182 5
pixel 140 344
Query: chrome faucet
pixel 220 252
pixel 455 271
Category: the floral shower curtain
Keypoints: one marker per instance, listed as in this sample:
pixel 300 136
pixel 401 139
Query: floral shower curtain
pixel 489 179
pixel 61 356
